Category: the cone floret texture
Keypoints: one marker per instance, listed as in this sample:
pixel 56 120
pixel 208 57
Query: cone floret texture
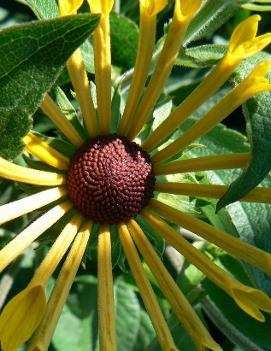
pixel 110 179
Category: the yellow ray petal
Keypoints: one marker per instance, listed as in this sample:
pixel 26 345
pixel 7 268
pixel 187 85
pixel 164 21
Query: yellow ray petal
pixel 16 247
pixel 29 305
pixel 227 242
pixel 147 35
pixel 78 74
pixel 107 328
pixel 22 315
pixel 12 171
pixel 69 7
pixel 205 163
pixel 30 203
pixel 44 334
pixel 253 84
pixel 102 60
pixel 244 43
pixel 241 46
pixel 240 293
pixel 80 82
pixel 101 6
pixel 57 252
pixel 163 333
pixel 261 195
pixel 44 152
pixel 172 292
pixel 50 108
pixel 183 13
pixel 153 7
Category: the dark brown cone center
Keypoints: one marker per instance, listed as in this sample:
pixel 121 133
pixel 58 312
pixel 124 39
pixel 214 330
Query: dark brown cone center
pixel 110 179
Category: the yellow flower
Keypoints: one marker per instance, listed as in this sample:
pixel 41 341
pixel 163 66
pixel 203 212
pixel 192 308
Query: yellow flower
pixel 110 180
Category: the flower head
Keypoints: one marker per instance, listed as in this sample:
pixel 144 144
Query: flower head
pixel 111 179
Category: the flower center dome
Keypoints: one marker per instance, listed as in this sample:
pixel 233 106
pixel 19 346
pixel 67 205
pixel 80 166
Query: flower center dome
pixel 110 179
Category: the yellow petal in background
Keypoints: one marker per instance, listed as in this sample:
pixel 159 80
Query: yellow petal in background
pixel 69 7
pixel 101 6
pixel 153 7
pixel 172 45
pixel 21 317
pixel 251 301
pixel 102 61
pixel 243 41
pixel 147 37
pixel 245 31
pixel 44 152
pixel 186 9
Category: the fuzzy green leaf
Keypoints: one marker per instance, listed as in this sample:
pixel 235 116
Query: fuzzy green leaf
pixel 42 8
pixel 124 39
pixel 200 56
pixel 32 57
pixel 211 16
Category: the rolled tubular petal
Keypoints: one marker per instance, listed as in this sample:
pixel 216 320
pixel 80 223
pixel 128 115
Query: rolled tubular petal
pixel 101 6
pixel 107 328
pixel 227 242
pixel 255 83
pixel 30 203
pixel 44 152
pixel 78 74
pixel 244 42
pixel 57 252
pixel 241 294
pixel 26 309
pixel 102 60
pixel 163 333
pixel 262 195
pixel 9 170
pixel 172 292
pixel 69 7
pixel 44 334
pixel 79 78
pixel 153 7
pixel 17 246
pixel 183 13
pixel 50 108
pixel 241 46
pixel 147 35
pixel 204 164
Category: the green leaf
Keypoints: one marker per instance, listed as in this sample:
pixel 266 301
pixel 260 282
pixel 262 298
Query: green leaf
pixel 124 40
pixel 257 111
pixel 146 332
pixel 88 56
pixel 127 316
pixel 42 8
pixel 78 325
pixel 211 16
pixel 32 57
pixel 200 56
